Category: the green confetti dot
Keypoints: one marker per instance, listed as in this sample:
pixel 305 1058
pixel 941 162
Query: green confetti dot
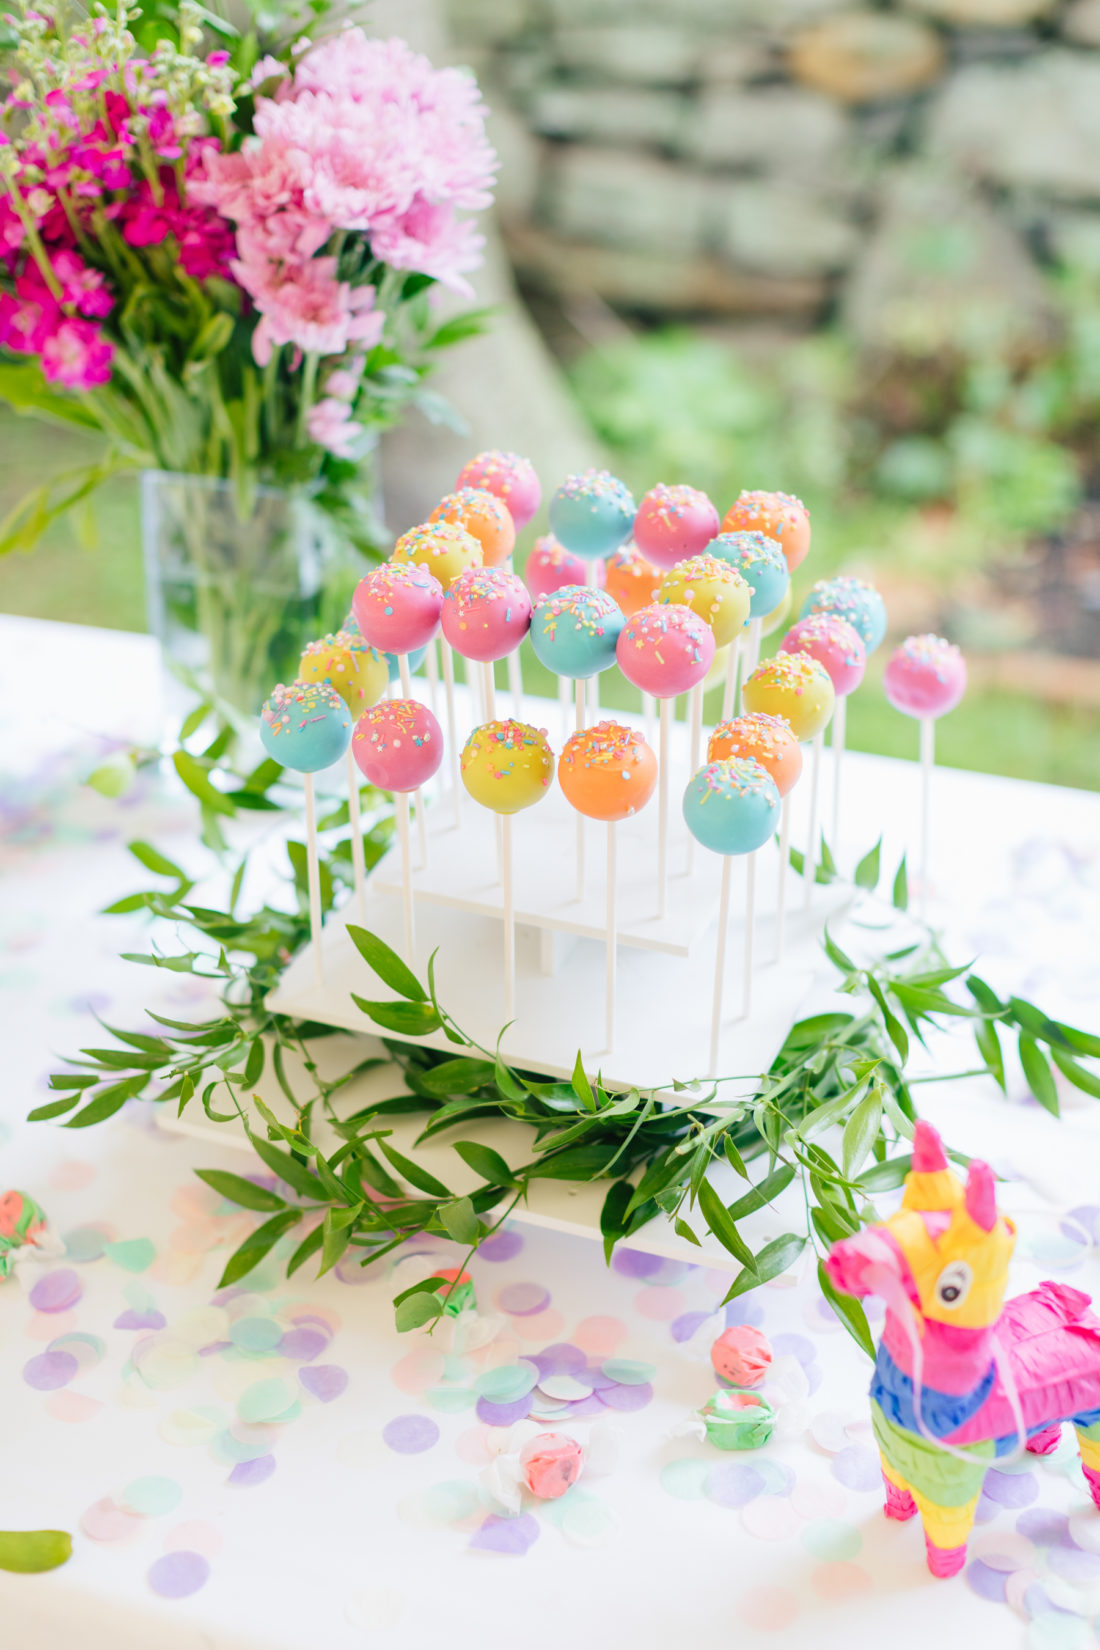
pixel 133 1255
pixel 152 1497
pixel 257 1335
pixel 450 1501
pixel 450 1400
pixel 1055 1631
pixel 831 1539
pixel 228 1450
pixel 265 1401
pixel 628 1372
pixel 455 1369
pixel 555 1512
pixel 507 1384
pixel 587 1523
pixel 686 1478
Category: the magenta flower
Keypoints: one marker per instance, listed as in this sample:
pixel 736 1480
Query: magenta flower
pixel 77 355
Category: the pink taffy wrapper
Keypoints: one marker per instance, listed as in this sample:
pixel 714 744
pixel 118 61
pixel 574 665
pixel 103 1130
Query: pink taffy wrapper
pixel 551 1464
pixel 741 1355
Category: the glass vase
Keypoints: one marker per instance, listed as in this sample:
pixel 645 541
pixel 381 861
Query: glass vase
pixel 236 587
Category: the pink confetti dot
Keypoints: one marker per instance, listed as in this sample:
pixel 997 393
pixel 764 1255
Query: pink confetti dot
pixel 105 1520
pixel 542 1327
pixel 50 1326
pixel 472 1446
pixel 840 1580
pixel 660 1303
pixel 768 1609
pixel 72 1174
pixel 600 1336
pixel 770 1518
pixel 195 1536
pixel 72 1406
pixel 57 1291
pixel 418 1370
pixel 179 1574
pixel 501 1246
pixel 522 1299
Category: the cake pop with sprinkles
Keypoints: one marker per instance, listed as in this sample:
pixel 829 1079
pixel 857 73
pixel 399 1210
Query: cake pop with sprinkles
pixel 592 514
pixel 398 745
pixel 795 686
pixel 486 613
pixel 760 562
pixel 444 548
pixel 925 677
pixel 507 766
pixel 853 599
pixel 674 523
pixel 665 649
pixel 732 806
pixel 835 644
pixel 779 516
pixel 550 566
pixel 574 631
pixel 607 772
pixel 483 515
pixel 305 726
pixel 712 589
pixel 508 477
pixel 768 740
pixel 345 662
pixel 397 607
pixel 631 579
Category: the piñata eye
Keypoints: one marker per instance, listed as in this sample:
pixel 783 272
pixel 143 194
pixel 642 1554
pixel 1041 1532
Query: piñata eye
pixel 953 1283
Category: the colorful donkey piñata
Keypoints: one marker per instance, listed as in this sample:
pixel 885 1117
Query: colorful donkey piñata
pixel 961 1377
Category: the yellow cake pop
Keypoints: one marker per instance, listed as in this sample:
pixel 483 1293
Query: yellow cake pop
pixel 359 673
pixel 507 766
pixel 443 547
pixel 795 686
pixel 714 590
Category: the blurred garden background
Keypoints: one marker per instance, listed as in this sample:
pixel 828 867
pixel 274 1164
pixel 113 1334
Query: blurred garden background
pixel 849 253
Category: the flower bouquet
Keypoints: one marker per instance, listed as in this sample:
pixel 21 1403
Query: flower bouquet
pixel 228 263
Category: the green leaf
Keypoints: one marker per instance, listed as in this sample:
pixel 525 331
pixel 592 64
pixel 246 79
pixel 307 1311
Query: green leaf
pixel 414 1174
pixel 287 1167
pixel 308 1246
pixel 723 1228
pixel 837 957
pixel 900 894
pixel 114 777
pixel 1083 1042
pixel 197 780
pixel 684 1230
pixel 156 862
pixel 894 1028
pixel 766 1192
pixel 989 1047
pixel 484 1161
pixel 335 1237
pixel 416 1311
pixel 107 1102
pixel 73 1080
pixel 582 1088
pixel 55 1108
pixel 613 1215
pixel 984 995
pixel 861 1132
pixel 1081 1078
pixel 734 1158
pixel 884 1177
pixel 387 964
pixel 239 1190
pixel 460 1221
pixel 29 1552
pixel 508 1085
pixel 461 1075
pixel 868 869
pixel 407 1019
pixel 1038 1074
pixel 256 1245
pixel 849 1311
pixel 773 1260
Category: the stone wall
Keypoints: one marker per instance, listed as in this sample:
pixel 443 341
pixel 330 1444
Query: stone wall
pixel 912 163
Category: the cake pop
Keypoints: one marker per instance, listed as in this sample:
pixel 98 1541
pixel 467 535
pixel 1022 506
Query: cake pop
pixel 443 547
pixel 591 514
pixel 398 745
pixel 665 649
pixel 345 662
pixel 925 678
pixel 482 515
pixel 305 726
pixel 674 523
pixel 853 599
pixel 761 563
pixel 486 613
pixel 574 631
pixel 835 644
pixel 508 477
pixel 778 515
pixel 714 590
pixel 397 607
pixel 795 686
pixel 770 741
pixel 631 579
pixel 550 566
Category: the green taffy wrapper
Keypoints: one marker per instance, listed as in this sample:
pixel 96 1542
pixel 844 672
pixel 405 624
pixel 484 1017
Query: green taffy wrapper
pixel 738 1419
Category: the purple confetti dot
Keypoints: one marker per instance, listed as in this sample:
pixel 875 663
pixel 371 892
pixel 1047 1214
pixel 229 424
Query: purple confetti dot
pixel 56 1292
pixel 684 1327
pixel 986 1582
pixel 1044 1526
pixel 410 1434
pixel 1010 1489
pixel 814 1377
pixel 1088 1216
pixel 214 1347
pixel 247 1474
pixel 626 1398
pixel 179 1574
pixel 857 1468
pixel 501 1246
pixel 561 1358
pixel 744 1310
pixel 635 1263
pixel 505 1415
pixel 50 1370
pixel 324 1381
pixel 781 1479
pixel 596 1379
pixel 303 1344
pixel 795 1346
pixel 734 1486
pixel 1074 1566
pixel 1037 1602
pixel 506 1535
pixel 583 1409
pixel 140 1320
pixel 986 1510
pixel 521 1300
pixel 353 1273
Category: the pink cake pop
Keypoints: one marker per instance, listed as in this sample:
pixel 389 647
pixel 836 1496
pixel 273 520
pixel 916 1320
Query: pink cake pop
pixel 673 523
pixel 550 567
pixel 665 649
pixel 398 744
pixel 486 613
pixel 397 607
pixel 926 677
pixel 835 644
pixel 510 478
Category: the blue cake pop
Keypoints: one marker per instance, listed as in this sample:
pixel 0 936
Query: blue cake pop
pixel 592 514
pixel 732 806
pixel 760 562
pixel 574 630
pixel 305 726
pixel 854 600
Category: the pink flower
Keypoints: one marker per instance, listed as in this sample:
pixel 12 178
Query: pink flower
pixel 82 287
pixel 77 355
pixel 331 425
pixel 344 385
pixel 433 240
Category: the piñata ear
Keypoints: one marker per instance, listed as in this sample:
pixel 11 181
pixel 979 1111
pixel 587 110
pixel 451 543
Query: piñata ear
pixel 981 1196
pixel 928 1153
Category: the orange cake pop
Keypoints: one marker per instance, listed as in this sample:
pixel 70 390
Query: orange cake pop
pixel 778 515
pixel 483 515
pixel 631 579
pixel 607 772
pixel 766 739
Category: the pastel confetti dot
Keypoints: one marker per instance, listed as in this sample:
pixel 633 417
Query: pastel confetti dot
pixel 512 1536
pixel 264 1401
pixel 418 1370
pixel 163 1362
pixel 857 1468
pixel 794 1346
pixel 179 1574
pixel 735 1485
pixel 635 1263
pixel 684 1327
pixel 1080 1569
pixel 600 1336
pixel 830 1538
pixel 188 1427
pixel 248 1474
pixel 770 1518
pixel 1044 1526
pixel 522 1299
pixel 152 1497
pixel 660 1304
pixel 743 1310
pixel 87 1349
pixel 587 1522
pixel 85 1243
pixel 625 1399
pixel 256 1334
pixel 987 1582
pixel 50 1370
pixel 450 1501
pixel 767 1609
pixel 324 1381
pixel 374 1609
pixel 303 1344
pixel 1010 1489
pixel 777 1475
pixel 450 1400
pixel 562 1358
pixel 105 1520
pixel 72 1175
pixel 140 1320
pixel 813 1500
pixel 507 1383
pixel 410 1434
pixel 133 1255
pixel 196 1535
pixel 503 1415
pixel 72 1406
pixel 686 1479
pixel 840 1580
pixel 541 1326
pixel 1084 1529
pixel 1058 1632
pixel 501 1246
pixel 628 1371
pixel 566 1389
pixel 56 1292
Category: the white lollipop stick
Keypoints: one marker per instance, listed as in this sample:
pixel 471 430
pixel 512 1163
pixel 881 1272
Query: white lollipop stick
pixel 405 675
pixel 756 630
pixel 649 712
pixel 515 684
pixel 695 716
pixel 581 689
pixel 590 574
pixel 840 720
pixel 809 866
pixel 509 919
pixel 610 941
pixel 593 700
pixel 490 688
pixel 662 807
pixel 431 667
pixel 313 879
pixel 565 705
pixel 784 856
pixel 452 724
pixel 355 823
pixel 720 964
pixel 730 689
pixel 418 800
pixel 927 763
pixel 406 875
pixel 750 934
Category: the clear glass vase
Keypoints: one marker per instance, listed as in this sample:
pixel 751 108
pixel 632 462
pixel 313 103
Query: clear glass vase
pixel 236 587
